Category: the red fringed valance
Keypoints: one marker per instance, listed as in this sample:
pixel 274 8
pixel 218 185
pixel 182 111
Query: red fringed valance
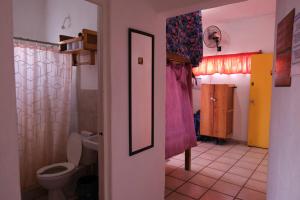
pixel 225 64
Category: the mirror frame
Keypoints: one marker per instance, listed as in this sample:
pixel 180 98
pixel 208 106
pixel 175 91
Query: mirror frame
pixel 130 32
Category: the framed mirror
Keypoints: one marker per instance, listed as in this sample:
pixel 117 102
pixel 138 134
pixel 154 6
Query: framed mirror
pixel 141 91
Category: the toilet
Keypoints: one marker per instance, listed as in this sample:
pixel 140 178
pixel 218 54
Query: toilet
pixel 54 177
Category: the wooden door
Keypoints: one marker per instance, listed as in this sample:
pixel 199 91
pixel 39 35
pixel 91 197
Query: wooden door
pixel 260 101
pixel 221 102
pixel 206 114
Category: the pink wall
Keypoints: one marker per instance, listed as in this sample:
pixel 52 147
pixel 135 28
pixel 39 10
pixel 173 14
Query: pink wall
pixel 9 165
pixel 284 166
pixel 140 176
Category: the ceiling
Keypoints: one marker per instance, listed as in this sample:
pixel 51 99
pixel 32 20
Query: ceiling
pixel 167 6
pixel 246 9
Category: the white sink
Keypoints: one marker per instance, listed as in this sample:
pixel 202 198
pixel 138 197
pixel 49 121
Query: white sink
pixel 91 142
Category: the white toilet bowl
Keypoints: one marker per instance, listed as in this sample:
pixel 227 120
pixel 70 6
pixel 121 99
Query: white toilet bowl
pixel 54 177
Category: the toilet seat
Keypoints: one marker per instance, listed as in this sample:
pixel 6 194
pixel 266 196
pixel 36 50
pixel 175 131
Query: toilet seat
pixel 74 149
pixel 54 170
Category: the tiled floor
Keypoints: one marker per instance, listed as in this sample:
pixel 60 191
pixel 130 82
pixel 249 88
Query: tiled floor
pixel 219 172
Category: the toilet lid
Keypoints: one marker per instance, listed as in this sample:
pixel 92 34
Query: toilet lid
pixel 74 148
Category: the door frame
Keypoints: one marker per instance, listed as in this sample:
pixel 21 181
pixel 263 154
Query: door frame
pixel 104 99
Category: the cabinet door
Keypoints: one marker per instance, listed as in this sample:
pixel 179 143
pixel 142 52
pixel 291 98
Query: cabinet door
pixel 207 118
pixel 220 111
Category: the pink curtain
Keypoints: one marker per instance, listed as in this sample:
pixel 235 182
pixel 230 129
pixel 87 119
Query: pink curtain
pixel 225 64
pixel 43 90
pixel 180 132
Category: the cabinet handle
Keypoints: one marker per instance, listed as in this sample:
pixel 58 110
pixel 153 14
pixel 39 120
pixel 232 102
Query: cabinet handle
pixel 213 99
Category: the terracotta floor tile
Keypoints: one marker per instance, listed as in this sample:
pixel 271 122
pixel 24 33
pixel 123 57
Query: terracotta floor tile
pixel 248 194
pixel 259 150
pixel 213 195
pixel 251 160
pixel 202 161
pixel 260 176
pixel 182 174
pixel 226 160
pixel 173 183
pixel 203 181
pixel 236 151
pixel 207 145
pixel 220 166
pixel 195 167
pixel 234 179
pixel 213 173
pixel 176 196
pixel 167 192
pixel 195 154
pixel 241 148
pixel 215 152
pixel 262 169
pixel 175 163
pixel 209 156
pixel 169 169
pixel 257 185
pixel 264 162
pixel 232 155
pixel 241 171
pixel 226 188
pixel 255 155
pixel 180 157
pixel 192 190
pixel 246 165
pixel 223 148
pixel 200 149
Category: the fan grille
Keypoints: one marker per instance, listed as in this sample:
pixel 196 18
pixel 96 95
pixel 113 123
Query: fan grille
pixel 211 34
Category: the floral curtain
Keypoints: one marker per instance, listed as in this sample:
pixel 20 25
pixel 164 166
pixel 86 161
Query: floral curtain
pixel 184 36
pixel 43 89
pixel 225 64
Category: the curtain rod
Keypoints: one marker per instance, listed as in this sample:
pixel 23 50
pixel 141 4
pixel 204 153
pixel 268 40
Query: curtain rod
pixel 235 54
pixel 36 41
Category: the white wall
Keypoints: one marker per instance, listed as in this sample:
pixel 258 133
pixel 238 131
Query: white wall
pixel 9 160
pixel 140 176
pixel 244 35
pixel 240 35
pixel 43 19
pixel 29 19
pixel 83 15
pixel 284 160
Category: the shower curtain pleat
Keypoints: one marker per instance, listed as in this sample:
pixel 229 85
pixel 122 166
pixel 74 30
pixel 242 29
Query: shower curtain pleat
pixel 43 90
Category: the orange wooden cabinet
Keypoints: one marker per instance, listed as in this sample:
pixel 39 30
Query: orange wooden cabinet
pixel 216 118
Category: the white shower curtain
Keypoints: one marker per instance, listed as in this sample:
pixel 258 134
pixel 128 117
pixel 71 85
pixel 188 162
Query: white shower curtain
pixel 43 88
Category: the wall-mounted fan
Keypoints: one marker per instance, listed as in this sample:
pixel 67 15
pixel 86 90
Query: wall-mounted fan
pixel 213 37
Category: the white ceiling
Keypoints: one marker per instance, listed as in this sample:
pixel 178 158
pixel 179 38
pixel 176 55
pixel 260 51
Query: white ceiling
pixel 247 9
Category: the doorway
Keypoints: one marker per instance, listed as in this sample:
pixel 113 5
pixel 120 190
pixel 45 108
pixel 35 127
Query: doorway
pixel 232 169
pixel 90 80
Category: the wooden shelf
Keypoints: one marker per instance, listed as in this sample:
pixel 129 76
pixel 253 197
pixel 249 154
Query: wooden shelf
pixel 75 39
pixel 84 44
